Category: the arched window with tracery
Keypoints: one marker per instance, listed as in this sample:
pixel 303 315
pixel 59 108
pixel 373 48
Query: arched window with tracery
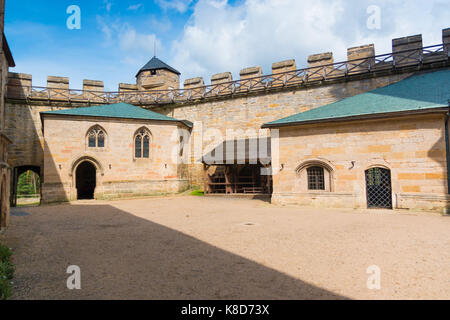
pixel 96 137
pixel 142 140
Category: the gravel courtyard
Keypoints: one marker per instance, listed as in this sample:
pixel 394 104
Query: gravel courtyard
pixel 217 248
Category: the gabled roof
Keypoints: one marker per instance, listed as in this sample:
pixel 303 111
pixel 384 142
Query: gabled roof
pixel 419 93
pixel 156 64
pixel 118 110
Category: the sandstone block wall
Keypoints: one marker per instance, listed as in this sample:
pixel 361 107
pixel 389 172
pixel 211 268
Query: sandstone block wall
pixel 162 80
pixel 237 111
pixel 24 128
pixel 5 174
pixel 251 112
pixel 118 172
pixel 413 148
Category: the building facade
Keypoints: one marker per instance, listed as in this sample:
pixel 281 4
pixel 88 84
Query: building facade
pixel 6 61
pixel 387 148
pixel 111 151
pixel 327 163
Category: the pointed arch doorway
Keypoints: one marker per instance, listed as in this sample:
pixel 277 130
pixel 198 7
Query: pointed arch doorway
pixel 86 180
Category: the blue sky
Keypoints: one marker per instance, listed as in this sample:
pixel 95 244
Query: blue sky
pixel 202 37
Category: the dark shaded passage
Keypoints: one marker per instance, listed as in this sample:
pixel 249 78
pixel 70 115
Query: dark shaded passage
pixel 85 180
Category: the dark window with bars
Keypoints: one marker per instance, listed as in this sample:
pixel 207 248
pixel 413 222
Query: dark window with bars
pixel 379 189
pixel 316 179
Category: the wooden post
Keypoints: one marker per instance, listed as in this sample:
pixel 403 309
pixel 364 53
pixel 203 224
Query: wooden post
pixel 228 186
pixel 205 184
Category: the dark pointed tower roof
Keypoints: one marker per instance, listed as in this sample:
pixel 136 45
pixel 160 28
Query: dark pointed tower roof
pixel 156 64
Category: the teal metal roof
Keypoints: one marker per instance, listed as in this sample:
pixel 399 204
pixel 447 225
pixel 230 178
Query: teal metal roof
pixel 118 110
pixel 416 93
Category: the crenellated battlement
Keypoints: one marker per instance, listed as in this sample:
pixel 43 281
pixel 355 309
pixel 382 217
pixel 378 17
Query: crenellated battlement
pixel 407 54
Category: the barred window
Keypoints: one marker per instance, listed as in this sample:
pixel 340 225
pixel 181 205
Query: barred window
pixel 96 137
pixel 142 143
pixel 316 180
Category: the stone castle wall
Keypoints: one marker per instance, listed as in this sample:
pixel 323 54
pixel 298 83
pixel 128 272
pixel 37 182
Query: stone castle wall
pixel 251 112
pixel 160 80
pixel 413 148
pixel 24 126
pixel 118 173
pixel 231 111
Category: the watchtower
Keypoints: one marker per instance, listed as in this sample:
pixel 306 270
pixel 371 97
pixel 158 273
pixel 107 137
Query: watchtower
pixel 157 75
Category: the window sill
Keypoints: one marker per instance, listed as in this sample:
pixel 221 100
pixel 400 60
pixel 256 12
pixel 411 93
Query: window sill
pixel 97 149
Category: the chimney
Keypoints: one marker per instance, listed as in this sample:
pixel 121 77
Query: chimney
pixel 415 49
pixel 363 56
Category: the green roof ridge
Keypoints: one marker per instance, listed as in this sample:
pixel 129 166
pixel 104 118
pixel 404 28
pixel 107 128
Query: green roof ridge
pixel 418 92
pixel 117 110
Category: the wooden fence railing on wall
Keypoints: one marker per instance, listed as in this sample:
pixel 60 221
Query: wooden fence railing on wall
pixel 384 62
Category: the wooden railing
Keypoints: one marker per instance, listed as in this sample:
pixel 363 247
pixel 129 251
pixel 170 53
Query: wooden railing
pixel 384 62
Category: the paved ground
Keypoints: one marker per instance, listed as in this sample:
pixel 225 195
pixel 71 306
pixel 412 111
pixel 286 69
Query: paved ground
pixel 209 248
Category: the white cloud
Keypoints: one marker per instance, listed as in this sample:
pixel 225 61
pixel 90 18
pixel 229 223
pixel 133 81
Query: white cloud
pixel 222 37
pixel 135 48
pixel 108 5
pixel 178 5
pixel 135 7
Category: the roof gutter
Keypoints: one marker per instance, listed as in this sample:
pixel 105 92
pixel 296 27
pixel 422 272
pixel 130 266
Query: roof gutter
pixel 360 117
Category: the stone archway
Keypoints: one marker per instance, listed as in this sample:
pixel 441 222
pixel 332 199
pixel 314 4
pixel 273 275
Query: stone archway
pixel 15 174
pixel 86 181
pixel 98 191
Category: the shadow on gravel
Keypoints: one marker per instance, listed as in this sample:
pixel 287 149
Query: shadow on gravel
pixel 122 256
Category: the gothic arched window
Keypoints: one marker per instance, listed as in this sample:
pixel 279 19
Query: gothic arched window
pixel 96 137
pixel 142 143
